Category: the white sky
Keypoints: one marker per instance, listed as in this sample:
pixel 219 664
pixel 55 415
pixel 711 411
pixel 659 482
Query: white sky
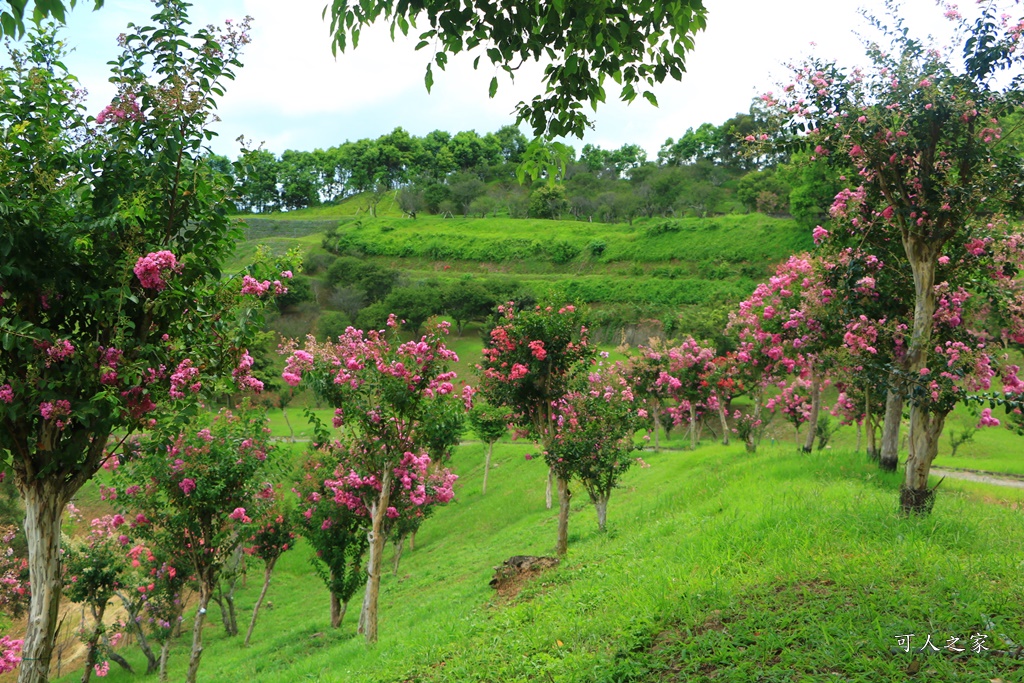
pixel 293 94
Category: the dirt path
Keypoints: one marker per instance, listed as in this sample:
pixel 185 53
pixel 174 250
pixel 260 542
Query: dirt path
pixel 996 478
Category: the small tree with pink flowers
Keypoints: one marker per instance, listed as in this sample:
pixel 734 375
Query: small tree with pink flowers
pixel 192 487
pixel 687 378
pixel 594 428
pixel 385 394
pixel 529 363
pixel 273 536
pixel 95 569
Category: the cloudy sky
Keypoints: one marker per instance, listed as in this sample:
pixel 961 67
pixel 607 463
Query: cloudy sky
pixel 293 93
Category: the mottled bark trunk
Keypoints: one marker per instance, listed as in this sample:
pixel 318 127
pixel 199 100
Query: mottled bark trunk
pixel 396 560
pixel 601 506
pixel 693 426
pixel 338 609
pixel 755 427
pixel 925 430
pixel 889 458
pixel 563 516
pixel 657 427
pixel 259 601
pixel 291 432
pixel 92 649
pixel 487 465
pixel 860 434
pixel 44 503
pixel 725 422
pixel 165 651
pixel 376 537
pixel 547 491
pixel 205 593
pixel 812 427
pixel 925 425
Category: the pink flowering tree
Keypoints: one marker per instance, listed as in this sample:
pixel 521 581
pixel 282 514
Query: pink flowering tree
pixel 529 363
pixel 274 535
pixel 112 232
pixel 192 487
pixel 163 578
pixel 489 424
pixel 594 435
pixel 646 367
pixel 931 173
pixel 792 401
pixel 385 394
pixel 335 532
pixel 95 569
pixel 686 379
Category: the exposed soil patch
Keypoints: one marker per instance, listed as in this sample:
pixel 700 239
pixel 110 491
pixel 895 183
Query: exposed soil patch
pixel 511 575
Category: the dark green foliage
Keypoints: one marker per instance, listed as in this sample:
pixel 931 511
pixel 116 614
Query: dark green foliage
pixel 413 305
pixel 299 290
pixel 548 201
pixel 332 324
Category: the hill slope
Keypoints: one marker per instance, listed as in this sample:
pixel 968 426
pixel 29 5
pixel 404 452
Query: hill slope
pixel 718 565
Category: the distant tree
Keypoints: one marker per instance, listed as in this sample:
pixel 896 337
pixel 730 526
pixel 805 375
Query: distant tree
pixel 703 143
pixel 463 189
pixel 332 324
pixel 483 205
pixel 512 143
pixel 489 424
pixel 257 181
pixel 411 201
pixel 413 305
pixel 299 178
pixel 547 201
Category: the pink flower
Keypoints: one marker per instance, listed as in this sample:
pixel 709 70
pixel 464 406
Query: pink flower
pixel 239 515
pixel 987 420
pixel 391 512
pixel 150 269
pixel 188 486
pixel 102 669
pixel 6 393
pixel 820 234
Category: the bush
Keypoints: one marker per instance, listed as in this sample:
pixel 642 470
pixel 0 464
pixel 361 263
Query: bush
pixel 331 325
pixel 562 252
pixel 315 262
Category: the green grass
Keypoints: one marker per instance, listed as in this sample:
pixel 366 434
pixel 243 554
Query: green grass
pixel 717 565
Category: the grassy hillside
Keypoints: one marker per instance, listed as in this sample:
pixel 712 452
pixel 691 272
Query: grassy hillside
pixel 718 565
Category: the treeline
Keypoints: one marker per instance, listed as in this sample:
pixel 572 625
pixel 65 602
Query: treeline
pixel 705 172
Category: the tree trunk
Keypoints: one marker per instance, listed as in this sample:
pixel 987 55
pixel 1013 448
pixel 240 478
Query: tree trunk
pixel 563 516
pixel 725 422
pixel 752 436
pixel 368 617
pixel 338 609
pixel 547 491
pixel 399 545
pixel 601 505
pixel 925 425
pixel 205 592
pixel 860 433
pixel 925 430
pixel 693 426
pixel 44 503
pixel 657 428
pixel 94 639
pixel 165 650
pixel 259 601
pixel 487 464
pixel 812 428
pixel 152 663
pixel 890 455
pixel 291 432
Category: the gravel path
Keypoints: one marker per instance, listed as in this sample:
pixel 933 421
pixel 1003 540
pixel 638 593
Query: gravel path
pixel 982 477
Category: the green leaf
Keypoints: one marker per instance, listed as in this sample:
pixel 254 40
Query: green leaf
pixel 428 79
pixel 494 86
pixel 649 96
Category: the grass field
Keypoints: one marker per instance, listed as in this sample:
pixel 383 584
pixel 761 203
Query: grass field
pixel 717 566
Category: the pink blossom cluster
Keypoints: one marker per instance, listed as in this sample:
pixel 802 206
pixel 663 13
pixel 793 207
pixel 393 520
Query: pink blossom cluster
pixel 986 419
pixel 152 268
pixel 10 654
pixel 251 285
pixel 243 374
pixel 239 515
pixel 61 350
pixel 110 358
pixel 55 410
pixel 125 109
pixel 183 377
pixel 6 394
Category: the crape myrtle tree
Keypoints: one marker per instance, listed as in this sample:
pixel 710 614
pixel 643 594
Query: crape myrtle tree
pixel 111 300
pixel 594 428
pixel 193 485
pixel 384 394
pixel 686 379
pixel 529 363
pixel 490 424
pixel 644 370
pixel 335 532
pixel 932 171
pixel 273 536
pixel 96 568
